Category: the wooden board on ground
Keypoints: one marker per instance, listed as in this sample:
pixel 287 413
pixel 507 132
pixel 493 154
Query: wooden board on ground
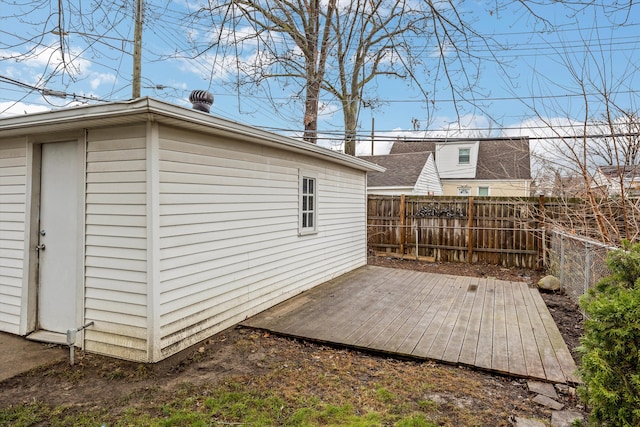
pixel 494 325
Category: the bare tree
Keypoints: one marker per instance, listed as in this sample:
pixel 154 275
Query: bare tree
pixel 293 41
pixel 607 134
pixel 64 31
pixel 621 145
pixel 344 48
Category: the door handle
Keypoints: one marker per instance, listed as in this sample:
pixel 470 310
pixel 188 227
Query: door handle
pixel 40 247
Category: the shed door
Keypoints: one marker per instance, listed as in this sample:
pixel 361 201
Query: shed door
pixel 58 216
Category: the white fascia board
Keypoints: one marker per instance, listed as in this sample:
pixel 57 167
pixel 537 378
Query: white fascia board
pixel 148 109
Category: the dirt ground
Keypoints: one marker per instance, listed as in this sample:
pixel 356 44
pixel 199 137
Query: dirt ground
pixel 283 364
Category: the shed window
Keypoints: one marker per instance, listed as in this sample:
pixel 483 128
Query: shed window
pixel 464 156
pixel 308 196
pixel 483 191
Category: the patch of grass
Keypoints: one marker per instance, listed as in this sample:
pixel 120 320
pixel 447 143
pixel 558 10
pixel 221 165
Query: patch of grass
pixel 40 414
pixel 417 420
pixel 384 395
pixel 332 415
pixel 427 405
pixel 22 415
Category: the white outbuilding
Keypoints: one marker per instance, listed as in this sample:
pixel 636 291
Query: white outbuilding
pixel 160 226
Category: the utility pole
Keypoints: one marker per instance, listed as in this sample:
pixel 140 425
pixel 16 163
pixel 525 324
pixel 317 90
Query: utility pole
pixel 373 132
pixel 137 51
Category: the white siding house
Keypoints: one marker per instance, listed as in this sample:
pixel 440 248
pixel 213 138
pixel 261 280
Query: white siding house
pixel 611 180
pixel 498 167
pixel 166 225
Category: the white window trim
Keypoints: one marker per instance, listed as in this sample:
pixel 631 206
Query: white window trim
pixel 488 190
pixel 467 162
pixel 307 230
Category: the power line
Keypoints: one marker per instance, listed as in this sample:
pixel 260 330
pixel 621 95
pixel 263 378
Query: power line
pixel 50 92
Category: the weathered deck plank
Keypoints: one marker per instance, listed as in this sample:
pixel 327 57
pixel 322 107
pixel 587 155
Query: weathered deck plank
pixel 500 353
pixel 495 325
pixel 446 322
pixel 379 321
pixel 533 363
pixel 514 340
pixel 402 326
pixel 470 343
pixel 424 316
pixel 485 334
pixel 456 340
pixel 562 354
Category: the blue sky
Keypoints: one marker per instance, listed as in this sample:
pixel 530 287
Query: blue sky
pixel 532 72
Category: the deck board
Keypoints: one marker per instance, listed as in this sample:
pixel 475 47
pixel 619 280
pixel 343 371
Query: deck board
pixel 500 353
pixel 470 343
pixel 402 326
pixel 458 332
pixel 494 325
pixel 514 340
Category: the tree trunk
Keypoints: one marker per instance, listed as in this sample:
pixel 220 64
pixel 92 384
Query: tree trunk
pixel 311 111
pixel 350 125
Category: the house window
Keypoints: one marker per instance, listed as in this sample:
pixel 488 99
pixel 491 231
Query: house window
pixel 464 156
pixel 308 195
pixel 483 191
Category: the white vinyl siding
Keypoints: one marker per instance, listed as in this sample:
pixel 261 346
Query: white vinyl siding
pixel 116 245
pixel 428 183
pixel 229 242
pixel 12 232
pixel 448 157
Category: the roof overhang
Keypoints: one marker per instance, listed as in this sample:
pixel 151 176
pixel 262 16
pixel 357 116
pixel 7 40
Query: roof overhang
pixel 152 110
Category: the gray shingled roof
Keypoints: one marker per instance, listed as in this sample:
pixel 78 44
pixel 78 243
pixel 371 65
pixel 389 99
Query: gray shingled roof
pixel 626 171
pixel 499 158
pixel 412 147
pixel 403 170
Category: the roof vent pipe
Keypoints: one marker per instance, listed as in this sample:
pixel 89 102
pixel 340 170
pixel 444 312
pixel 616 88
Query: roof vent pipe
pixel 201 100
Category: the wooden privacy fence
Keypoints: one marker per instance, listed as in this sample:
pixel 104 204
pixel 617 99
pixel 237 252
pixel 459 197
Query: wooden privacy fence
pixel 502 231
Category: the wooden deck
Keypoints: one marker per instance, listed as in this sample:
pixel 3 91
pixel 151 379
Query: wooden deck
pixel 491 324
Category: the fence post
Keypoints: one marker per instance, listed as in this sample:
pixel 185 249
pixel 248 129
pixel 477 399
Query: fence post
pixel 403 222
pixel 562 243
pixel 541 224
pixel 587 266
pixel 470 232
pixel 544 250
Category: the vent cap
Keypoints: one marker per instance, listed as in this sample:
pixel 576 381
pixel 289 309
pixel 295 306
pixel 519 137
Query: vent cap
pixel 201 100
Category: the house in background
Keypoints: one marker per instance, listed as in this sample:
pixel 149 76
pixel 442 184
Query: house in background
pixel 477 167
pixel 161 226
pixel 610 180
pixel 557 184
pixel 407 173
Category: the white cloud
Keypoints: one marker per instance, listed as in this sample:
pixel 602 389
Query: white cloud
pixel 545 134
pixel 99 79
pixel 17 108
pixel 44 60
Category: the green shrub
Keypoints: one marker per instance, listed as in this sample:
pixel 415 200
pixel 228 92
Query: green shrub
pixel 610 367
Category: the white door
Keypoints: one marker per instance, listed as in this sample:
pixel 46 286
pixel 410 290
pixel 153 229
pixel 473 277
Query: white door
pixel 58 252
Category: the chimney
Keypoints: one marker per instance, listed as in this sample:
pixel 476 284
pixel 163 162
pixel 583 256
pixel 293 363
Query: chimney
pixel 201 100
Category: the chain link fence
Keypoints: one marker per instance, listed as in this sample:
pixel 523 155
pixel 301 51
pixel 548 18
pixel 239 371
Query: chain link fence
pixel 578 262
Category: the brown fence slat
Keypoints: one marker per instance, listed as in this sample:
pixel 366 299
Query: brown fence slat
pixel 501 231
